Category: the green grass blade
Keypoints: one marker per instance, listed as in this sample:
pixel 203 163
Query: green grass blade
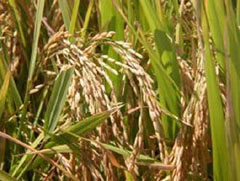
pixel 165 48
pixel 150 15
pixel 232 55
pixel 107 13
pixel 70 136
pixel 57 99
pixel 86 125
pixel 74 17
pixel 217 121
pixel 51 116
pixel 64 6
pixel 121 151
pixel 36 34
pixel 18 21
pixel 3 93
pixel 215 15
pixel 127 153
pixel 13 88
pixel 26 158
pixel 87 18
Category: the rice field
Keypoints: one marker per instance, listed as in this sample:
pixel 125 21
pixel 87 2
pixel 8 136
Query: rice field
pixel 119 90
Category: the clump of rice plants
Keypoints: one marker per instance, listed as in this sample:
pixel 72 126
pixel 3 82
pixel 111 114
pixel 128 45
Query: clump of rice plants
pixel 119 90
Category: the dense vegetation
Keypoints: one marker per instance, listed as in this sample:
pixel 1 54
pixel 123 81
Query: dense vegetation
pixel 119 90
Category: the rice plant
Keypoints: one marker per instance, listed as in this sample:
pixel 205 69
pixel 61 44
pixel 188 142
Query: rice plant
pixel 119 90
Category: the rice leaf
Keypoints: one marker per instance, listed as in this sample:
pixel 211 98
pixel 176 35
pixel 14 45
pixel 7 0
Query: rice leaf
pixel 232 55
pixel 63 4
pixel 220 151
pixel 87 18
pixel 74 17
pixel 56 103
pixel 3 93
pixel 70 136
pixel 215 16
pixel 36 34
pixel 57 99
pixel 13 91
pixel 18 21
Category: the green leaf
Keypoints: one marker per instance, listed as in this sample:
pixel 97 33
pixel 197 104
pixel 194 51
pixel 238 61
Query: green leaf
pixel 36 34
pixel 54 109
pixel 18 21
pixel 215 16
pixel 85 125
pixel 64 6
pixel 13 91
pixel 74 17
pixel 232 55
pixel 87 18
pixel 26 158
pixel 125 153
pixel 3 93
pixel 220 151
pixel 57 99
pixel 71 135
